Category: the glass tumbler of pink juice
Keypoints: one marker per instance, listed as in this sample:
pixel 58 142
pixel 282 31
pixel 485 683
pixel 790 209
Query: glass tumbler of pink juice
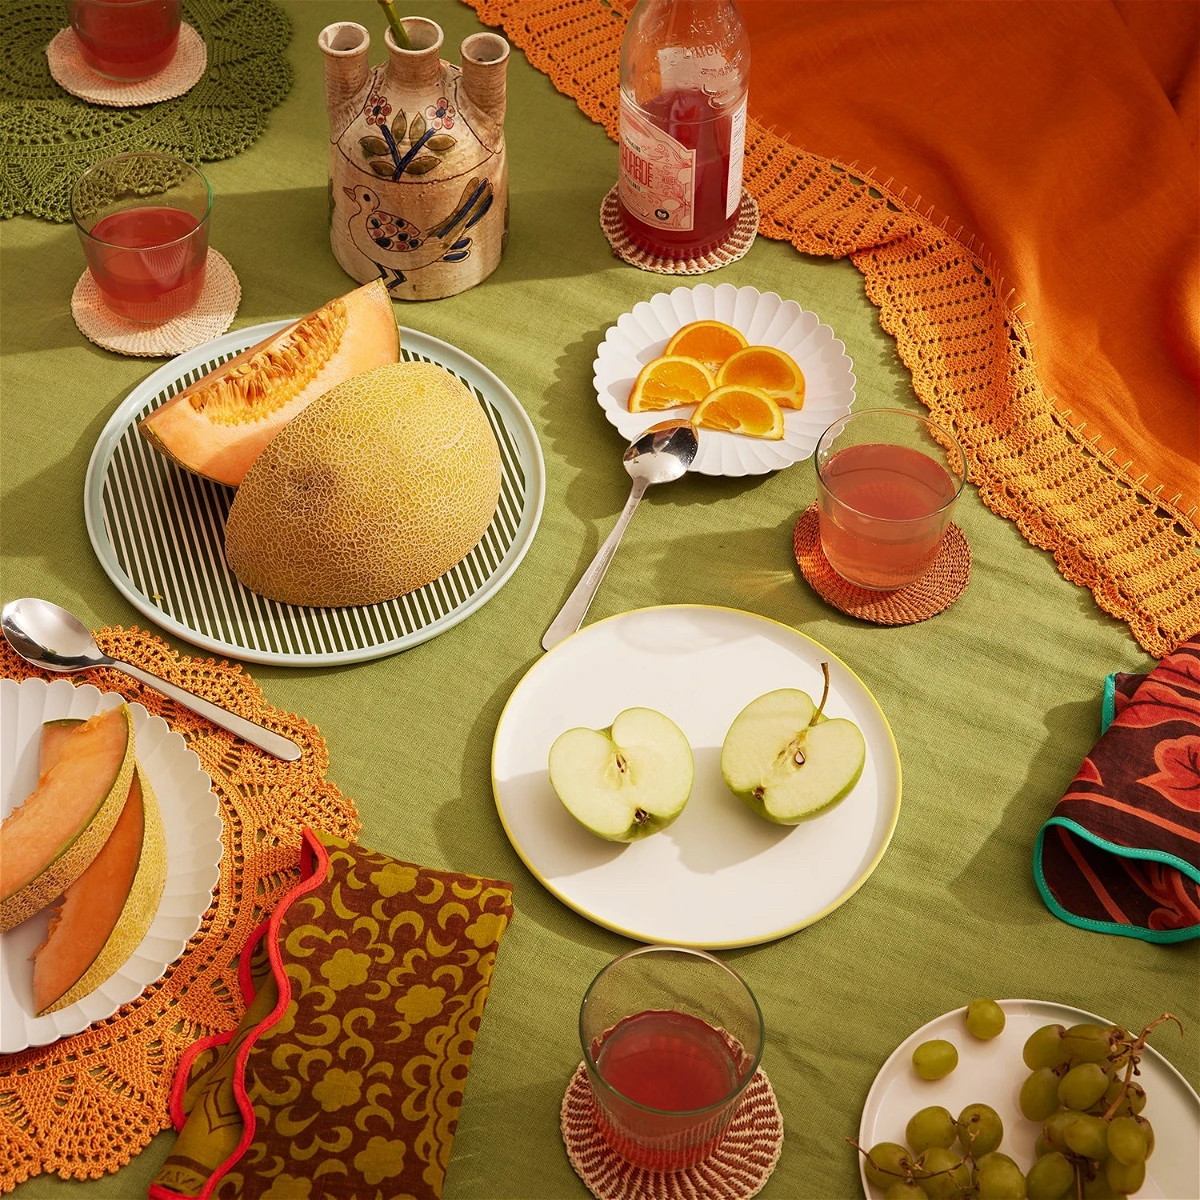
pixel 143 222
pixel 671 1039
pixel 887 481
pixel 126 40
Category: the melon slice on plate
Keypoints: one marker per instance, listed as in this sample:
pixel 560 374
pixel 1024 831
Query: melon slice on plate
pixel 109 909
pixel 51 838
pixel 220 424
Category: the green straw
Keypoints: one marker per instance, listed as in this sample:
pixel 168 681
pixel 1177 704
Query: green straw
pixel 398 32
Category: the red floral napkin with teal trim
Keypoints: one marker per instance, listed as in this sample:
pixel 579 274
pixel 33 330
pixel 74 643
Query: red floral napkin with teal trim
pixel 1121 854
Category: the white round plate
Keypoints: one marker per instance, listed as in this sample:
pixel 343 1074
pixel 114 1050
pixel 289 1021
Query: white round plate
pixel 159 531
pixel 192 824
pixel 992 1072
pixel 720 875
pixel 765 319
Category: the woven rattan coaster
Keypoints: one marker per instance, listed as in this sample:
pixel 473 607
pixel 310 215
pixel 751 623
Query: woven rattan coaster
pixel 212 314
pixel 738 242
pixel 934 592
pixel 737 1169
pixel 180 75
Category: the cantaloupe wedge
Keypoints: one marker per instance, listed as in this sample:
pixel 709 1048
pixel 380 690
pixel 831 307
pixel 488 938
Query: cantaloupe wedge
pixel 48 842
pixel 220 424
pixel 108 910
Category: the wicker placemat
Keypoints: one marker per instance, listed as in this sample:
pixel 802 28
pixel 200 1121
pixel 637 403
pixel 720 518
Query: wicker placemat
pixel 736 1170
pixel 85 1105
pixel 739 241
pixel 180 75
pixel 210 317
pixel 934 592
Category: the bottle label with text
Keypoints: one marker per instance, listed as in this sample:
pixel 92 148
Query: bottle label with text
pixel 737 153
pixel 658 174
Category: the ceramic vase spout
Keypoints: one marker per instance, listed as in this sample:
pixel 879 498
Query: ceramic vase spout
pixel 418 169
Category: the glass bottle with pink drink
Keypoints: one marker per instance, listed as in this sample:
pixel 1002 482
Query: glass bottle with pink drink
pixel 685 69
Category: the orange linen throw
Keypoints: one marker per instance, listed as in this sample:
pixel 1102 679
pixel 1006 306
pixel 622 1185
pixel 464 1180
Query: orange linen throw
pixel 1017 183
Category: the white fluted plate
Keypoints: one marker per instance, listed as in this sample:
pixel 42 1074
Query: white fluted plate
pixel 765 319
pixel 192 823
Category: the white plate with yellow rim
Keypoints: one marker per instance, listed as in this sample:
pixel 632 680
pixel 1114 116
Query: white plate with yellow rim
pixel 191 822
pixel 719 876
pixel 764 319
pixel 992 1071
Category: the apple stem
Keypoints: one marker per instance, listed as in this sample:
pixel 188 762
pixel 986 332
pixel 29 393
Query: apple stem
pixel 824 696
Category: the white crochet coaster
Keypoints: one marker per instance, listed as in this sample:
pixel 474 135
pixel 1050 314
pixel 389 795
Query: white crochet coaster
pixel 210 317
pixel 740 239
pixel 180 75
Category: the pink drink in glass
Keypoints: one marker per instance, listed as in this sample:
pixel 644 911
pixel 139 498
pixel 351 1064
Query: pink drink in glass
pixel 671 1062
pixel 671 1039
pixel 126 40
pixel 148 262
pixel 885 513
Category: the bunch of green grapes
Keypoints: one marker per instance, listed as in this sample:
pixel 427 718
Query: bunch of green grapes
pixel 1081 1090
pixel 947 1158
pixel 1094 1141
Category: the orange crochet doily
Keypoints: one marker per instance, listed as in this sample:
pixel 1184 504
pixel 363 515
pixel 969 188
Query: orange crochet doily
pixel 87 1104
pixel 1136 549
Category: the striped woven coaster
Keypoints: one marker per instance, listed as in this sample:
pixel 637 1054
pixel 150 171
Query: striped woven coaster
pixel 739 241
pixel 737 1169
pixel 934 592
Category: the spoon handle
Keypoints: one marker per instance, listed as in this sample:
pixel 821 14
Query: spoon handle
pixel 256 735
pixel 571 615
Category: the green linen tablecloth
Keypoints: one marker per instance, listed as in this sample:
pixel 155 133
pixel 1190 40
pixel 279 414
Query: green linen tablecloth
pixel 993 704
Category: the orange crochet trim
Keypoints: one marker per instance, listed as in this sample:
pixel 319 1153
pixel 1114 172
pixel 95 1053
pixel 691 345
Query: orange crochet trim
pixel 87 1104
pixel 956 331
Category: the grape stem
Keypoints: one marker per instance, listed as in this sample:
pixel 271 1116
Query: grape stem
pixel 1134 1050
pixel 909 1176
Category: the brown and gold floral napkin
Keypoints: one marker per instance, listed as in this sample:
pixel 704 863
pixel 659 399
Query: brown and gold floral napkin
pixel 345 1078
pixel 1121 854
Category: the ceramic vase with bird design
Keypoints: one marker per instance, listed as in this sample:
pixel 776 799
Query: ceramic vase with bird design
pixel 418 176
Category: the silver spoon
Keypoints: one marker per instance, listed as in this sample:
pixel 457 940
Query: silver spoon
pixel 664 452
pixel 50 637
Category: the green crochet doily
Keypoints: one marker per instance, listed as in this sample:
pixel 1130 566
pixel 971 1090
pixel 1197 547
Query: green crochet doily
pixel 48 137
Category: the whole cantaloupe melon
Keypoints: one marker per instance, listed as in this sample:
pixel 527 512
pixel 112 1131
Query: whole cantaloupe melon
pixel 378 487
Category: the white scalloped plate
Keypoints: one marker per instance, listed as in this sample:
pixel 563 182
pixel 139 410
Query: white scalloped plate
pixel 992 1072
pixel 193 829
pixel 766 320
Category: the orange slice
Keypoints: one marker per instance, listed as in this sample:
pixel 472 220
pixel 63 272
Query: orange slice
pixel 768 369
pixel 737 409
pixel 669 381
pixel 712 342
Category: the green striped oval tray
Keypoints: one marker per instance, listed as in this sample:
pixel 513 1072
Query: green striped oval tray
pixel 159 530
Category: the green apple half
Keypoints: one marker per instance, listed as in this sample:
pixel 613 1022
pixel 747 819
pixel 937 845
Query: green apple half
pixel 787 761
pixel 627 781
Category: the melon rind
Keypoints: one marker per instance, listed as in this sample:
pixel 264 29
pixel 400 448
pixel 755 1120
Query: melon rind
pixel 76 854
pixel 137 913
pixel 220 424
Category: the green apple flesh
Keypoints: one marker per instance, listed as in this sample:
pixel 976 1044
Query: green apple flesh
pixel 627 781
pixel 786 767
